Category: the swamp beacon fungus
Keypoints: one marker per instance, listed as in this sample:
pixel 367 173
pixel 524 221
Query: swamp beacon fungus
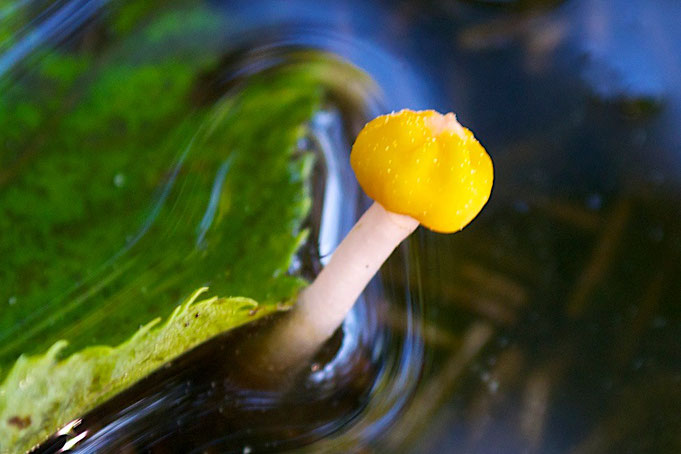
pixel 419 168
pixel 425 165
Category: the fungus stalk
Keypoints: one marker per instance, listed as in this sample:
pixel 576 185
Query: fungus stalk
pixel 324 304
pixel 420 168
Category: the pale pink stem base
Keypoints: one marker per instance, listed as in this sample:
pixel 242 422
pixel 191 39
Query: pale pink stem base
pixel 324 304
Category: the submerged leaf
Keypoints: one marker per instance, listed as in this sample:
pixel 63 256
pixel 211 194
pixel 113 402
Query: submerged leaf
pixel 129 195
pixel 119 193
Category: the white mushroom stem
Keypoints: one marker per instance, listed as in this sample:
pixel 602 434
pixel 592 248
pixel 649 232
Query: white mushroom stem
pixel 324 304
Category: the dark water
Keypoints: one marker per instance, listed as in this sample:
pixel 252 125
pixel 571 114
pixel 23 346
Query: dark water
pixel 551 324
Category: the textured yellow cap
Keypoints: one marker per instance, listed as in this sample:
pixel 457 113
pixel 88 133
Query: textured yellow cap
pixel 425 165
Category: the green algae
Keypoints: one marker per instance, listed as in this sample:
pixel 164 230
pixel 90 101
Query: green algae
pixel 120 195
pixel 245 249
pixel 90 181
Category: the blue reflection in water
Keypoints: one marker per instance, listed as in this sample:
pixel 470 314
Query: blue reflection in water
pixel 56 22
pixel 359 31
pixel 213 202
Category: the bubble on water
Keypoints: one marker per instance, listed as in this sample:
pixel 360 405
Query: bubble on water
pixel 247 450
pixel 638 363
pixel 493 386
pixel 521 206
pixel 594 202
pixel 119 180
pixel 659 322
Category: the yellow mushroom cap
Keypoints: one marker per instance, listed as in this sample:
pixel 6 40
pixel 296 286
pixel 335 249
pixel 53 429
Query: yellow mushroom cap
pixel 425 165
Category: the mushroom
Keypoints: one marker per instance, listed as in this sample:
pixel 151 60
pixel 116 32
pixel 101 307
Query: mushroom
pixel 419 168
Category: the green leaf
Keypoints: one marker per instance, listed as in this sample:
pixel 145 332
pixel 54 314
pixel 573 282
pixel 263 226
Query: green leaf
pixel 95 238
pixel 120 193
pixel 42 392
pixel 232 217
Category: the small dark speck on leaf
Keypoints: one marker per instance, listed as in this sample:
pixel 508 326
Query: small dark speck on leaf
pixel 283 306
pixel 19 422
pixel 186 324
pixel 253 311
pixel 196 315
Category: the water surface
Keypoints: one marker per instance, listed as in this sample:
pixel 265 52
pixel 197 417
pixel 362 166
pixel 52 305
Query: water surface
pixel 551 324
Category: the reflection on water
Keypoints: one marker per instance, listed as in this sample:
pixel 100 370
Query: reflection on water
pixel 551 324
